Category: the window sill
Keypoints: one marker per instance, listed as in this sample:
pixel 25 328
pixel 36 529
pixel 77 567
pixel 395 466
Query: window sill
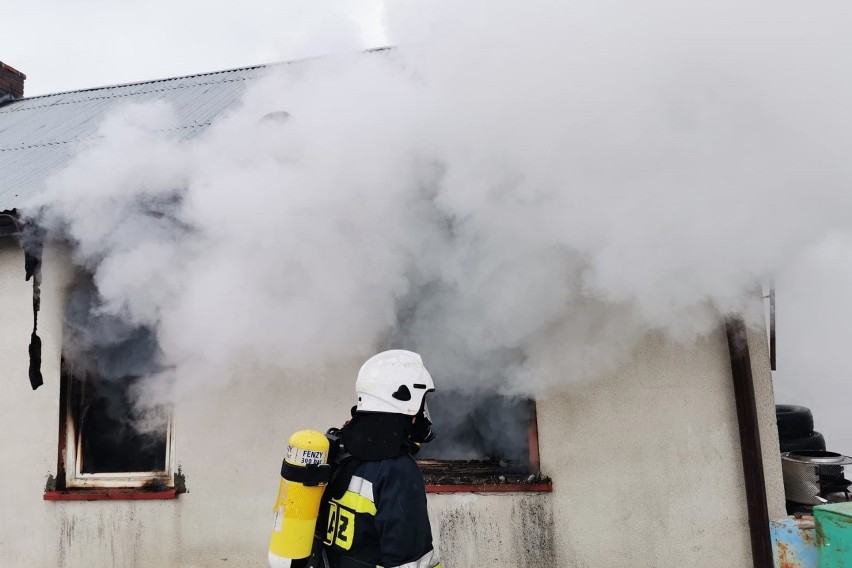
pixel 482 476
pixel 545 486
pixel 109 495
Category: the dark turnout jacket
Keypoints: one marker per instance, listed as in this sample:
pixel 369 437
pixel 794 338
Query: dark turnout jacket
pixel 380 519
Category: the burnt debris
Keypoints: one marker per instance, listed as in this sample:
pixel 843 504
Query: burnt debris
pixel 32 241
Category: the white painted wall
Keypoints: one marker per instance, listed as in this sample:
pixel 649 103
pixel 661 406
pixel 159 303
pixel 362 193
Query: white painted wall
pixel 645 464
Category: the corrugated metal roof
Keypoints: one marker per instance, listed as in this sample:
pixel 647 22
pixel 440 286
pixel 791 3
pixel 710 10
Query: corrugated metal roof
pixel 39 134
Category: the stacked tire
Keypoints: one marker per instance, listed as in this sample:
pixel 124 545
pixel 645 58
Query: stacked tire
pixel 796 429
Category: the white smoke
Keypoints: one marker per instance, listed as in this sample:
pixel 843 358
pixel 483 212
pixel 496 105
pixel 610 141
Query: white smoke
pixel 535 188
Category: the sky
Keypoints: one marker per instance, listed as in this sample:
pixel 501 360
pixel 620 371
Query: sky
pixel 69 45
pixel 77 44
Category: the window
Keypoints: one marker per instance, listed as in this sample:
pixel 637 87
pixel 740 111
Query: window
pixel 110 445
pixel 484 442
pixel 104 445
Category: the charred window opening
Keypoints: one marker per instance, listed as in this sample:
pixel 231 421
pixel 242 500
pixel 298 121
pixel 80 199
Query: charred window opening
pixel 108 440
pixel 103 442
pixel 479 427
pixel 482 440
pixel 108 437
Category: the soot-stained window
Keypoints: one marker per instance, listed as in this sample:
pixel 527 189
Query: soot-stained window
pixel 479 427
pixel 108 440
pixel 483 441
pixel 113 436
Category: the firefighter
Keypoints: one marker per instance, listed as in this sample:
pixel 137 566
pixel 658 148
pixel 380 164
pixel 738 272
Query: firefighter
pixel 374 509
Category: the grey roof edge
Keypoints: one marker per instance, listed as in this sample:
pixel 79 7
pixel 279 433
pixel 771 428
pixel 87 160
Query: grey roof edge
pixel 193 75
pixel 152 81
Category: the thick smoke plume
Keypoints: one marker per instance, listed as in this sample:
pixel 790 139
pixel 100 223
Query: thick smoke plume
pixel 521 198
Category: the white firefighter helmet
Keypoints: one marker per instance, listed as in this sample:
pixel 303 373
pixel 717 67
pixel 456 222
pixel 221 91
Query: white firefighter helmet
pixel 393 381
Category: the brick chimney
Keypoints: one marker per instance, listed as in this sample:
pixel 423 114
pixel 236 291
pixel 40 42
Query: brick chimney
pixel 11 82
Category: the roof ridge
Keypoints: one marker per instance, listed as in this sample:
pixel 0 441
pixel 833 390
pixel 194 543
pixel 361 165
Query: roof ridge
pixel 246 68
pixel 152 81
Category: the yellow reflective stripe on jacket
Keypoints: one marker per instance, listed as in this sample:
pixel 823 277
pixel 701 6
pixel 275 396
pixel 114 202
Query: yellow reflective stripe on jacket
pixel 357 503
pixel 359 496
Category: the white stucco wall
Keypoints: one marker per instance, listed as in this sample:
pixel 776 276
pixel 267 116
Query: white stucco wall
pixel 645 464
pixel 28 419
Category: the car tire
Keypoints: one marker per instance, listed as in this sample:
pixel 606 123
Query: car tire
pixel 809 441
pixel 793 419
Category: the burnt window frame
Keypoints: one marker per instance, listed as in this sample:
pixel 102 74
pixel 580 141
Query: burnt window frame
pixel 490 476
pixel 69 474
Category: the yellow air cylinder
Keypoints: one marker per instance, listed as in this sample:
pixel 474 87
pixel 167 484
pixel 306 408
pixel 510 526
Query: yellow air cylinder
pixel 304 475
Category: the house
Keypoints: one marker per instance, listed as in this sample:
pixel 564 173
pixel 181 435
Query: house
pixel 670 461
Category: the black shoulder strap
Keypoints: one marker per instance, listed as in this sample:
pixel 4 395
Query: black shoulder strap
pixel 341 474
pixel 342 467
pixel 340 478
